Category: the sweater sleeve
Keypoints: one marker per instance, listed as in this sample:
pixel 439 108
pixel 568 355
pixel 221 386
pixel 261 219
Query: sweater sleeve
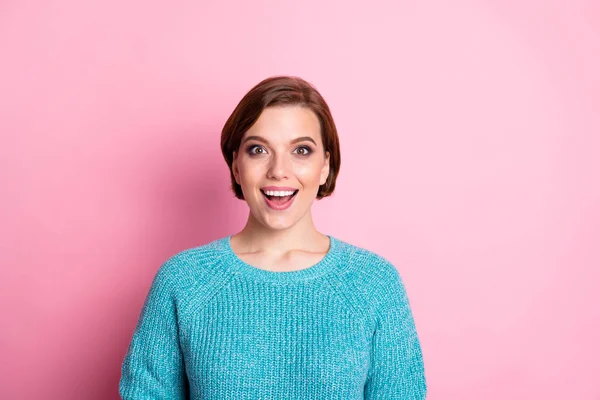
pixel 396 370
pixel 153 366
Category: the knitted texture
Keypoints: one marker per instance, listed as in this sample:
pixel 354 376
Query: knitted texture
pixel 213 327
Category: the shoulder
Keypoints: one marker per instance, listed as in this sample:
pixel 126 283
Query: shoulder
pixel 371 282
pixel 370 265
pixel 193 265
pixel 369 273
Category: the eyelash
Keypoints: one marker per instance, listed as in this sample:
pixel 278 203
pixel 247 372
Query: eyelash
pixel 250 148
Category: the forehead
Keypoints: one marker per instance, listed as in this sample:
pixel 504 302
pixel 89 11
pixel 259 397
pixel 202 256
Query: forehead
pixel 286 123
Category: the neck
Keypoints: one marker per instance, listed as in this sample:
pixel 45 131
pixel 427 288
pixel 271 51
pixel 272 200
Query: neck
pixel 256 237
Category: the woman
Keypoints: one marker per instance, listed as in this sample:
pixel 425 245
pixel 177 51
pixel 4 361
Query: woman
pixel 278 310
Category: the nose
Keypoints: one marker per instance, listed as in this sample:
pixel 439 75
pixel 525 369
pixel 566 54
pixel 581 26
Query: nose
pixel 278 167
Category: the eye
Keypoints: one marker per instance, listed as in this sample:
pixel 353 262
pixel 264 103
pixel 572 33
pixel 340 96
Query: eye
pixel 251 148
pixel 306 150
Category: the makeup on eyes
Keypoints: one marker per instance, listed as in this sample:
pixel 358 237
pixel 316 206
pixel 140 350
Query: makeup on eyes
pixel 308 150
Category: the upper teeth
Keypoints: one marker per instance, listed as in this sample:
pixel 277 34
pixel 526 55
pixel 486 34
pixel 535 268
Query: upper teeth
pixel 278 193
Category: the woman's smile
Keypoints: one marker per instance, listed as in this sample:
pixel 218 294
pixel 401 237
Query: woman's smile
pixel 279 200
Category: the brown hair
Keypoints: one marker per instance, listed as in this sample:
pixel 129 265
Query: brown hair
pixel 281 91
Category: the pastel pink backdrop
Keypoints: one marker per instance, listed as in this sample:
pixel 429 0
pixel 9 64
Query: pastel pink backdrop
pixel 470 134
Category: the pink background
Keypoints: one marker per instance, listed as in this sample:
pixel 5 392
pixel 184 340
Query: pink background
pixel 470 135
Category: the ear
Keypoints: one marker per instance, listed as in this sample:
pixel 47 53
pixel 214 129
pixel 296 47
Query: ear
pixel 234 168
pixel 325 170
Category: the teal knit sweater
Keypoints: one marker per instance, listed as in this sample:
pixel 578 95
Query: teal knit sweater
pixel 213 327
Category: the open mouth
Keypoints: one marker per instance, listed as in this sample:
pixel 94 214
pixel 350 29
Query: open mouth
pixel 279 202
pixel 279 199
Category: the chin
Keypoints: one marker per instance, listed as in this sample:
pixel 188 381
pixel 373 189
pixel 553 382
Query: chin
pixel 278 227
pixel 272 222
pixel 281 223
pixel 279 220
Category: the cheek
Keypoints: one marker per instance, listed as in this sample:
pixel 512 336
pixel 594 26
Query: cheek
pixel 248 172
pixel 309 174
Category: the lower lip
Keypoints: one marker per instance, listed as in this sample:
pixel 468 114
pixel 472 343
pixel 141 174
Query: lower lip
pixel 277 206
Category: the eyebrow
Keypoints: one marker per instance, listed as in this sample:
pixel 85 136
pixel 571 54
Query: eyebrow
pixel 298 139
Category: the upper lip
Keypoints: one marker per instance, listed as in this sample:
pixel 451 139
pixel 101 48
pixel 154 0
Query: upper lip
pixel 279 188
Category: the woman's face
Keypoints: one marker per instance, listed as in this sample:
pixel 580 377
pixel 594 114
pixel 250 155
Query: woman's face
pixel 281 152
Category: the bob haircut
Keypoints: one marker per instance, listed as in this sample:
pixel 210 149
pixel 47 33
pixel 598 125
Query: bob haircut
pixel 281 91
